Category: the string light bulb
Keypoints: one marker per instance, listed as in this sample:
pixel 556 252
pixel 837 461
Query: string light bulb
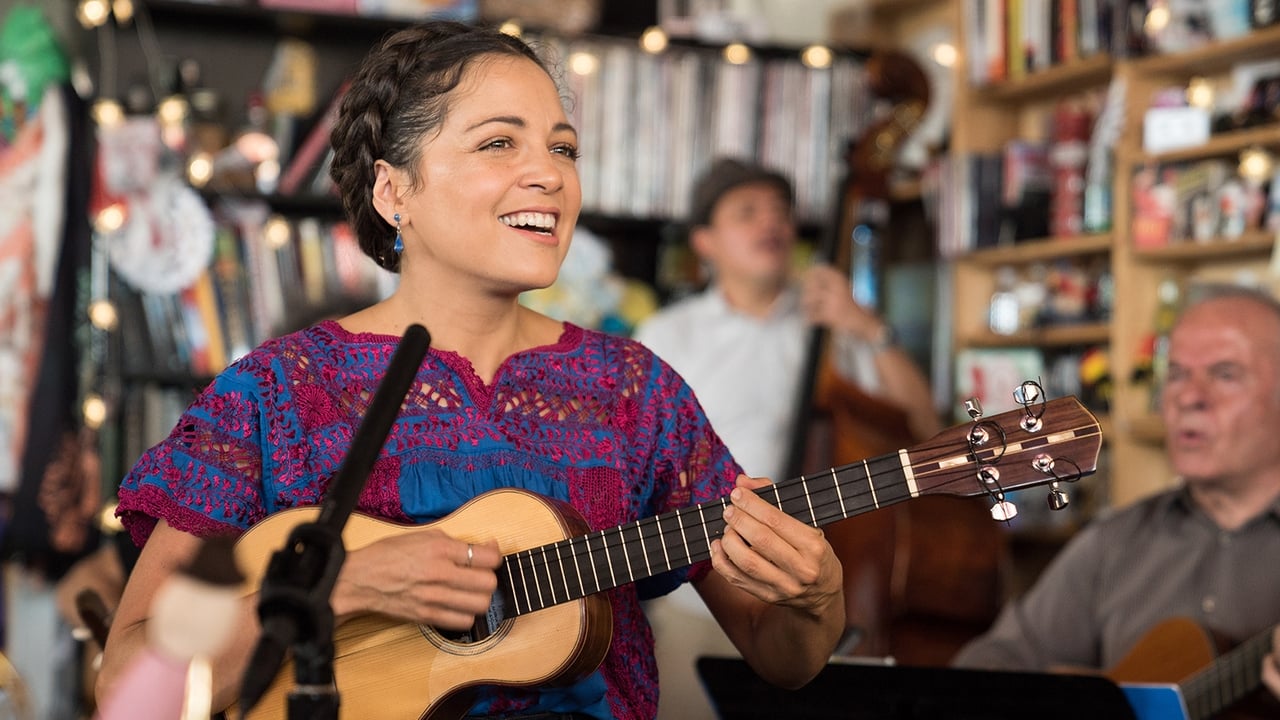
pixel 110 218
pixel 277 232
pixel 653 40
pixel 103 315
pixel 94 410
pixel 1256 165
pixel 512 28
pixel 93 13
pixel 737 53
pixel 945 54
pixel 123 10
pixel 200 168
pixel 1200 93
pixel 583 63
pixel 107 113
pixel 817 56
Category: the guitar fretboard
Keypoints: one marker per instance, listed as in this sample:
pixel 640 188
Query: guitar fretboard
pixel 574 568
pixel 1228 680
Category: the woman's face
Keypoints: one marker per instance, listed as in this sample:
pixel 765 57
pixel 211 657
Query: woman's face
pixel 499 192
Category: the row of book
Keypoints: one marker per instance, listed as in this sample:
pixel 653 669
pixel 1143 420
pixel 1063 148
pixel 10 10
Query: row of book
pixel 268 276
pixel 994 199
pixel 649 124
pixel 1007 39
pixel 1199 202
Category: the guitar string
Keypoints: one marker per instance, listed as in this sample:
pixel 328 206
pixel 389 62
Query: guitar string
pixel 538 559
pixel 1241 667
pixel 792 496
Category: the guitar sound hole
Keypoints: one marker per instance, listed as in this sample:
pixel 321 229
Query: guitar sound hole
pixel 478 631
pixel 484 626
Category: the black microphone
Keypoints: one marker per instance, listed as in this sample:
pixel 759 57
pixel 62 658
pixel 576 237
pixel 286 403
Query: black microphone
pixel 293 605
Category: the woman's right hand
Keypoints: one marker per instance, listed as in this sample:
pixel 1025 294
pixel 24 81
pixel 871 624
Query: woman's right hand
pixel 424 577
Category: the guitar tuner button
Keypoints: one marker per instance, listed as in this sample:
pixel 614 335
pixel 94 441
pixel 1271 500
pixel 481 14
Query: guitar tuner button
pixel 1027 393
pixel 1004 511
pixel 1031 423
pixel 1058 500
pixel 973 408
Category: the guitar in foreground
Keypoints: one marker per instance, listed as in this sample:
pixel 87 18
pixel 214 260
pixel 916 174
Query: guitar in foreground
pixel 549 624
pixel 1180 651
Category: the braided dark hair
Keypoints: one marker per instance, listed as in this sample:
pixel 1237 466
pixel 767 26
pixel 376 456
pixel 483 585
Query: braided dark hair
pixel 398 95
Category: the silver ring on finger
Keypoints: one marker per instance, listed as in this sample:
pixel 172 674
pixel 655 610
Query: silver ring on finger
pixel 471 553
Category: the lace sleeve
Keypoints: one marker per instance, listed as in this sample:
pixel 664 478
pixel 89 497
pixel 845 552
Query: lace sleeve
pixel 205 478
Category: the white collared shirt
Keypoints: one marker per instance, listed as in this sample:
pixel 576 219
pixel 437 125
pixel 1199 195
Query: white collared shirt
pixel 746 371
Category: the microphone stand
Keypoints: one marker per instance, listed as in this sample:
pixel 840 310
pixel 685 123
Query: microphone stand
pixel 293 604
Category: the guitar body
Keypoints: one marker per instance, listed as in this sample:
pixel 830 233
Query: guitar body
pixel 386 668
pixel 1170 652
pixel 552 620
pixel 1215 682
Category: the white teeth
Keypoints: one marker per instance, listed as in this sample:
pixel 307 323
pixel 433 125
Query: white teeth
pixel 545 222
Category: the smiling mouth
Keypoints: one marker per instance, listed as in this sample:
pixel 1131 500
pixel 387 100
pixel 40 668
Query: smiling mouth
pixel 539 222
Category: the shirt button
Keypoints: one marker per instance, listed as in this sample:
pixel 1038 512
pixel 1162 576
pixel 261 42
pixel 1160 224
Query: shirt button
pixel 1208 605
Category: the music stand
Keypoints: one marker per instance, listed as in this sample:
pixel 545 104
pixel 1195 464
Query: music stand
pixel 885 692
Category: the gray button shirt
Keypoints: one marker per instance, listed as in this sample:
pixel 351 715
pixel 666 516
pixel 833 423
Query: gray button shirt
pixel 1128 571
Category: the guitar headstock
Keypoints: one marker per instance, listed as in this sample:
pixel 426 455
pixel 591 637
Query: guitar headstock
pixel 1043 443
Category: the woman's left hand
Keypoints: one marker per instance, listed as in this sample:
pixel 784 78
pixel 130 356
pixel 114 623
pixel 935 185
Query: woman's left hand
pixel 774 556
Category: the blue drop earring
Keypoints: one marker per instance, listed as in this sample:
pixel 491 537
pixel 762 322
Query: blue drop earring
pixel 399 244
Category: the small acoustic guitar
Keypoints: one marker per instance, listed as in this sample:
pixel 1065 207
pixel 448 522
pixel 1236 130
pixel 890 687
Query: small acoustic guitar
pixel 1213 685
pixel 550 624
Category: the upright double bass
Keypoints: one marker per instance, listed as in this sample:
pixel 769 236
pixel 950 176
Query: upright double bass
pixel 923 577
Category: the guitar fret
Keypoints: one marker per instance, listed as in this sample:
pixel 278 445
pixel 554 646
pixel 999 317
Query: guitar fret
pixel 524 582
pixel 804 484
pixel 564 579
pixel 608 559
pixel 706 532
pixel 595 574
pixel 643 552
pixel 577 569
pixel 626 554
pixel 684 540
pixel 662 543
pixel 871 484
pixel 537 583
pixel 835 482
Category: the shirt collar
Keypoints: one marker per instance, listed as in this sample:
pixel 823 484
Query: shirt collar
pixel 1182 500
pixel 785 305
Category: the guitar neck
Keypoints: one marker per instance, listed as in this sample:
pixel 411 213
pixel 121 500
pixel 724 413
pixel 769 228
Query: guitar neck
pixel 1228 679
pixel 574 568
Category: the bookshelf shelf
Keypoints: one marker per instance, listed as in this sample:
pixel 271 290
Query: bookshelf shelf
pixel 1253 244
pixel 1042 249
pixel 1051 336
pixel 1214 57
pixel 892 8
pixel 1220 145
pixel 254 19
pixel 1065 79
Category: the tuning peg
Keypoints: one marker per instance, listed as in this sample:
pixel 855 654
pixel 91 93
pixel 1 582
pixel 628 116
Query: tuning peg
pixel 1003 511
pixel 1027 393
pixel 1058 499
pixel 973 408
